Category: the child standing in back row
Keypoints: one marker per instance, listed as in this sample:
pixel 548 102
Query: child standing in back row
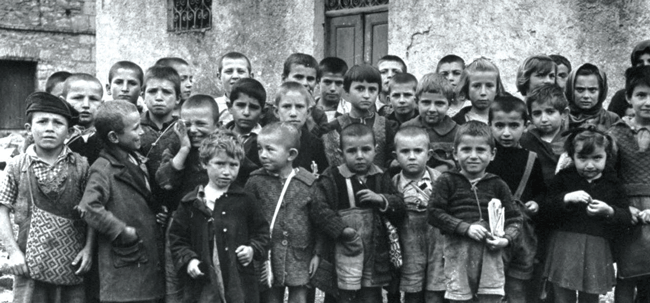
pixel 480 84
pixel 586 90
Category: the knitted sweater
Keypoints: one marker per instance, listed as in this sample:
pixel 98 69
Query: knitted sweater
pixel 632 164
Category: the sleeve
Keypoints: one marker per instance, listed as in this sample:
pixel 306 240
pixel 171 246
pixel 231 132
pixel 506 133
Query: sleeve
pixel 396 208
pixel 318 149
pixel 554 205
pixel 322 216
pixel 514 220
pixel 259 237
pixel 96 195
pixel 391 130
pixel 439 205
pixel 179 237
pixel 620 203
pixel 9 184
pixel 536 183
pixel 167 176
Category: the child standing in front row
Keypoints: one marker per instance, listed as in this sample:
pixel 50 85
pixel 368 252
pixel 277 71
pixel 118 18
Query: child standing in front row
pixel 587 204
pixel 480 84
pixel 459 207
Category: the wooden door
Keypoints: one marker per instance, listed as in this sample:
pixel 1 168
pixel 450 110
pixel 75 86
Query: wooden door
pixel 375 37
pixel 17 81
pixel 357 38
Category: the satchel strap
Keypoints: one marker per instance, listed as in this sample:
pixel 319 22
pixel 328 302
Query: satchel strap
pixel 277 206
pixel 524 179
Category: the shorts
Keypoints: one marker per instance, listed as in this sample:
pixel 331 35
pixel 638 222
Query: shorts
pixel 422 255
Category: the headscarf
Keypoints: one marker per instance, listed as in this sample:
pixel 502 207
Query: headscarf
pixel 639 49
pixel 577 112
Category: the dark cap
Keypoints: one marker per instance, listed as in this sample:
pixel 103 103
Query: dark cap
pixel 48 103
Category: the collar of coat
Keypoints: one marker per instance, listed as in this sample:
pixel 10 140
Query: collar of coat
pixel 302 175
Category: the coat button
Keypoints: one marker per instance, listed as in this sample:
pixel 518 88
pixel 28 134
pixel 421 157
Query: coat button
pixel 284 242
pixel 223 213
pixel 225 230
pixel 226 248
pixel 286 233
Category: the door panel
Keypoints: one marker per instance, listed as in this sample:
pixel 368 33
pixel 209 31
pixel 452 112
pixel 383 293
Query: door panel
pixel 375 37
pixel 345 38
pixel 17 81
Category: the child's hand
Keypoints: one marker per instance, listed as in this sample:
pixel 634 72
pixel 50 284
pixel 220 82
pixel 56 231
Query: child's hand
pixel 244 254
pixel 86 259
pixel 181 132
pixel 313 265
pixel 369 196
pixel 348 234
pixel 477 232
pixel 599 208
pixel 193 269
pixel 17 265
pixel 635 214
pixel 128 236
pixel 496 243
pixel 161 217
pixel 532 207
pixel 577 197
pixel 644 216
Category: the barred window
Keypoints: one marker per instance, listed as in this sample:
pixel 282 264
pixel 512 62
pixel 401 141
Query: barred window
pixel 190 15
pixel 333 5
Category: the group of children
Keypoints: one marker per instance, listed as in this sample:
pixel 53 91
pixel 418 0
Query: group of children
pixel 446 188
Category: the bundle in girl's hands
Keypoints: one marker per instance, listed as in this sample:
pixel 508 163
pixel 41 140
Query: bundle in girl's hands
pixel 497 217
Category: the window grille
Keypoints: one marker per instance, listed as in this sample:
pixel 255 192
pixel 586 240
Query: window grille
pixel 333 5
pixel 190 15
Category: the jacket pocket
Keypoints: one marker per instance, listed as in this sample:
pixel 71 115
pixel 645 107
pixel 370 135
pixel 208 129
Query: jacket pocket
pixel 302 253
pixel 129 255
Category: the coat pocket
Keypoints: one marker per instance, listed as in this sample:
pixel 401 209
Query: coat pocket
pixel 302 253
pixel 129 255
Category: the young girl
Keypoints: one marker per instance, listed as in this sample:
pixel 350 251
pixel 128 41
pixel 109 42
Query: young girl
pixel 480 83
pixel 534 72
pixel 586 89
pixel 587 204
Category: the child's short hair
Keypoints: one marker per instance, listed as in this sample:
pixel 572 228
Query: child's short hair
pixel 290 134
pixel 411 131
pixel 591 137
pixel 642 48
pixel 434 83
pixel 203 102
pixel 222 140
pixel 508 104
pixel 356 130
pixel 300 59
pixel 234 56
pixel 635 76
pixel 403 78
pixel 587 69
pixel 395 59
pixel 79 77
pixel 561 60
pixel 110 117
pixel 540 64
pixel 479 65
pixel 250 87
pixel 360 73
pixel 292 86
pixel 171 61
pixel 547 93
pixel 333 65
pixel 126 65
pixel 163 73
pixel 54 79
pixel 450 59
pixel 474 129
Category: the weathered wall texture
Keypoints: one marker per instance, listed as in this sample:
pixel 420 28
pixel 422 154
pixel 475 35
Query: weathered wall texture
pixel 602 32
pixel 58 34
pixel 266 31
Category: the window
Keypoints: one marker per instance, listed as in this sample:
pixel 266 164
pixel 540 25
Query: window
pixel 333 5
pixel 17 81
pixel 190 15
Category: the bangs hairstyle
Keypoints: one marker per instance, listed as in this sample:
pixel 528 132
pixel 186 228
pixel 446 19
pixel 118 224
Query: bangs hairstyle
pixel 235 56
pixel 221 140
pixel 561 60
pixel 250 87
pixel 80 77
pixel 126 65
pixel 292 86
pixel 288 134
pixel 540 64
pixel 635 76
pixel 360 73
pixel 171 61
pixel 411 132
pixel 475 129
pixel 356 130
pixel 589 139
pixel 54 79
pixel 547 93
pixel 403 78
pixel 450 59
pixel 333 65
pixel 300 59
pixel 203 102
pixel 109 117
pixel 163 73
pixel 508 104
pixel 479 65
pixel 394 59
pixel 434 83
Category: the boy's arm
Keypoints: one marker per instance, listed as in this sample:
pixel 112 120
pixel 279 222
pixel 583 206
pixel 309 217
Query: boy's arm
pixel 322 215
pixel 395 209
pixel 438 206
pixel 179 237
pixel 168 175
pixel 260 236
pixel 513 218
pixel 536 183
pixel 391 130
pixel 16 264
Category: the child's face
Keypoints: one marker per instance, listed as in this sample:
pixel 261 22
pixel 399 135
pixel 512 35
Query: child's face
pixel 48 129
pixel 538 79
pixel 388 69
pixel 412 154
pixel 586 92
pixel 640 102
pixel 231 71
pixel 473 155
pixel 546 118
pixel 402 97
pixel 125 85
pixel 129 139
pixel 85 97
pixel 362 95
pixel 433 108
pixel 160 96
pixel 562 75
pixel 246 113
pixel 199 123
pixel 274 153
pixel 331 87
pixel 222 170
pixel 507 128
pixel 482 89
pixel 629 112
pixel 293 108
pixel 303 75
pixel 451 71
pixel 592 165
pixel 358 153
pixel 187 80
pixel 643 60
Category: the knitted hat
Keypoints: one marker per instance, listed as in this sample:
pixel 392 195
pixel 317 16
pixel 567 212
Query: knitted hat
pixel 48 103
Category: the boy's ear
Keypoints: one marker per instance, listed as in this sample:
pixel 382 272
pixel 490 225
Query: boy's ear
pixel 28 127
pixel 494 153
pixel 108 89
pixel 565 113
pixel 112 137
pixel 293 154
pixel 70 132
pixel 429 154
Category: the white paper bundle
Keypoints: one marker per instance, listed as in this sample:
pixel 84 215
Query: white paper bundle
pixel 496 217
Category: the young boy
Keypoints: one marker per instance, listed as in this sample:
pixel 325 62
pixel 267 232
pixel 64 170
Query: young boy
pixel 232 67
pixel 125 80
pixel 563 69
pixel 361 85
pixel 434 94
pixel 247 98
pixel 401 94
pixel 640 56
pixel 451 67
pixel 363 195
pixel 117 204
pixel 219 269
pixel 422 274
pixel 522 172
pixel 162 93
pixel 54 83
pixel 331 100
pixel 459 207
pixel 184 72
pixel 53 249
pixel 388 67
